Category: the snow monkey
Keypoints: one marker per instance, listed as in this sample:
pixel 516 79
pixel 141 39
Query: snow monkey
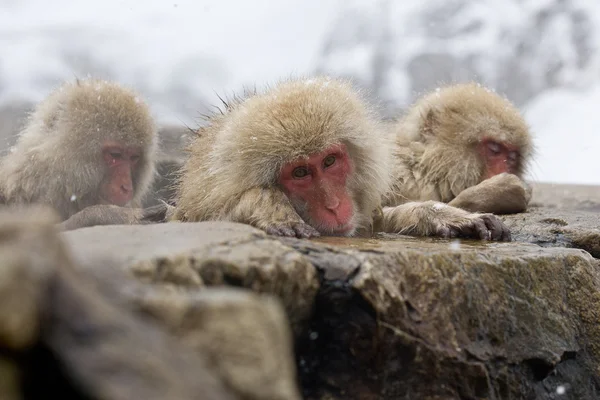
pixel 466 146
pixel 307 157
pixel 89 143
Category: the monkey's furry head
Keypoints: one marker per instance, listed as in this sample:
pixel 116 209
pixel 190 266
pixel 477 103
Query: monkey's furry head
pixel 247 146
pixel 457 118
pixel 64 137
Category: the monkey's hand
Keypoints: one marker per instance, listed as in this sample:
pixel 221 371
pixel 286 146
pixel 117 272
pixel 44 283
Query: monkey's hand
pixel 156 214
pixel 431 218
pixel 270 210
pixel 501 194
pixel 104 214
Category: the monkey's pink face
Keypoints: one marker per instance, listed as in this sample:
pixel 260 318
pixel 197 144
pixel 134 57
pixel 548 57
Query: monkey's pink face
pixel 499 158
pixel 317 188
pixel 121 162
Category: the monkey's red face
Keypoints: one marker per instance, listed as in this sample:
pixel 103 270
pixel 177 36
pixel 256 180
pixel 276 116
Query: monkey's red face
pixel 499 158
pixel 121 162
pixel 317 188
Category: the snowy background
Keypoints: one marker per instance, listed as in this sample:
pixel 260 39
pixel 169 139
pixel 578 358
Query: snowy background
pixel 542 54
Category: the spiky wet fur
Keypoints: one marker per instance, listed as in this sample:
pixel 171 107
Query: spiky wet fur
pixel 234 164
pixel 435 155
pixel 58 152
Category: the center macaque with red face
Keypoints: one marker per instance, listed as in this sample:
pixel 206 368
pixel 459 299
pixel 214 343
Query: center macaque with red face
pixel 317 187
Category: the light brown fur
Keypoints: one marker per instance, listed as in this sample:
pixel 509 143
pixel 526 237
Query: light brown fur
pixel 235 162
pixel 58 154
pixel 435 157
pixel 232 170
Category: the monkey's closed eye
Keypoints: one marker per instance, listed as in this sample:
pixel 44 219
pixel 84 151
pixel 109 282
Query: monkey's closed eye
pixel 300 172
pixel 135 158
pixel 494 147
pixel 329 161
pixel 116 155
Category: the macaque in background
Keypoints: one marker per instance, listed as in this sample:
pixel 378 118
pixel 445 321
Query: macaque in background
pixel 89 143
pixel 463 145
pixel 307 158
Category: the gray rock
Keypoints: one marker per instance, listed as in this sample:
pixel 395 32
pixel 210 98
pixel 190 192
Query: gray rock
pixel 389 317
pixel 557 228
pixel 67 340
pixel 202 254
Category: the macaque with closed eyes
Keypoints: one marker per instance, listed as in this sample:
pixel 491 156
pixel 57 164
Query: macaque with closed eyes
pixel 463 145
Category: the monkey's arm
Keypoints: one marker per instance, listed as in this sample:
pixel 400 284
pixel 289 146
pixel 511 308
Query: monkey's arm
pixel 431 218
pixel 269 209
pixel 115 215
pixel 501 194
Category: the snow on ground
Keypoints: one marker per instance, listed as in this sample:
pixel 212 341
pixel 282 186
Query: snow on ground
pixel 173 51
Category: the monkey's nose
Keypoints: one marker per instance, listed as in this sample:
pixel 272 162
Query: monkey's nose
pixel 127 188
pixel 332 203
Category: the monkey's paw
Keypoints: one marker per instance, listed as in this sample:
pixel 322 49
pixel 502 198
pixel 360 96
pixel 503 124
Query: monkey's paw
pixel 291 229
pixel 477 226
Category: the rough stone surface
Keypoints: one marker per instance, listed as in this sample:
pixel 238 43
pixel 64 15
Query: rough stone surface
pixel 246 338
pixel 385 318
pixel 203 254
pixel 557 228
pixel 111 354
pixel 73 342
pixel 426 319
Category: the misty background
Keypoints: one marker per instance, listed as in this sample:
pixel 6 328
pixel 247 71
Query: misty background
pixel 180 55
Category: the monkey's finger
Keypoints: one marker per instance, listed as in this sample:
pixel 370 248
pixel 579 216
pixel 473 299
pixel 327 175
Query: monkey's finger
pixel 480 229
pixel 506 236
pixel 305 231
pixel 495 226
pixel 444 232
pixel 279 230
pixel 157 213
pixel 287 231
pixel 503 233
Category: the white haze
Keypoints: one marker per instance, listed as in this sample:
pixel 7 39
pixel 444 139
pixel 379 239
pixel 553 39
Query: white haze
pixel 181 54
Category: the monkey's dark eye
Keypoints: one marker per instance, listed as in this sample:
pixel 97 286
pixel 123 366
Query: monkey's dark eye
pixel 329 161
pixel 116 155
pixel 135 158
pixel 300 172
pixel 493 147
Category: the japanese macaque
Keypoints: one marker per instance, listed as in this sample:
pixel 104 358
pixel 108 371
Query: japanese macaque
pixel 307 158
pixel 466 146
pixel 89 143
